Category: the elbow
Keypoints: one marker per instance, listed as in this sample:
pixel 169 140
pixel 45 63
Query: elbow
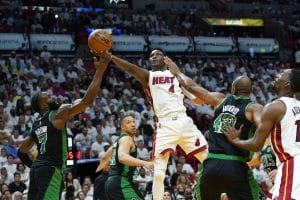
pixel 122 159
pixel 257 148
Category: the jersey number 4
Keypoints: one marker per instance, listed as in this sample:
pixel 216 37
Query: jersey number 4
pixel 171 89
pixel 298 131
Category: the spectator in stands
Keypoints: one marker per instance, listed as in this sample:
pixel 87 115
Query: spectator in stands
pixel 97 147
pixel 3 157
pixel 83 142
pixel 7 195
pixel 142 180
pixel 71 181
pixel 4 133
pixel 16 138
pixel 23 172
pixel 88 182
pixel 17 185
pixel 183 179
pixel 176 174
pixel 45 54
pixel 6 177
pixel 186 167
pixel 142 152
pixel 17 195
pixel 10 166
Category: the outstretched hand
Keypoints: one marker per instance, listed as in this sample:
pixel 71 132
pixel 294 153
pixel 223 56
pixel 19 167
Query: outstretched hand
pixel 174 69
pixel 232 134
pixel 149 165
pixel 102 61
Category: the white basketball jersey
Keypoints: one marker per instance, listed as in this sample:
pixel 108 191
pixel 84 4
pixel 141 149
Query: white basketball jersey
pixel 165 94
pixel 285 136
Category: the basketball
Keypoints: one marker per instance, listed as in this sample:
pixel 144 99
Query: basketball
pixel 99 41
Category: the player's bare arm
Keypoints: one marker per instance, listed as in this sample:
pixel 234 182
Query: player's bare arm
pixel 125 145
pixel 78 106
pixel 271 115
pixel 23 150
pixel 140 74
pixel 105 159
pixel 253 113
pixel 212 98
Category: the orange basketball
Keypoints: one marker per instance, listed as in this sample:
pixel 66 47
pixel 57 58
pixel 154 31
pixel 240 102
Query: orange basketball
pixel 99 41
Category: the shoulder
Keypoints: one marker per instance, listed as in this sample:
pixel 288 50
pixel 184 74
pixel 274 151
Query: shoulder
pixel 126 139
pixel 276 110
pixel 255 107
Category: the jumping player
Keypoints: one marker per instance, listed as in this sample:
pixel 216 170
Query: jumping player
pixel 48 132
pixel 173 126
pixel 281 120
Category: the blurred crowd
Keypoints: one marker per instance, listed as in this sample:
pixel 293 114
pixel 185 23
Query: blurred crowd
pixel 93 131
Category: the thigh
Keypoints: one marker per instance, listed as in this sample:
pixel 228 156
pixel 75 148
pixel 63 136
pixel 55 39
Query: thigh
pixel 191 140
pixel 120 188
pixel 209 185
pixel 165 139
pixel 244 190
pixel 32 191
pixel 113 188
pixel 49 182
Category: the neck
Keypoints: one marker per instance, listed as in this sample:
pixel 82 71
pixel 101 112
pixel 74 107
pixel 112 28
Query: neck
pixel 285 93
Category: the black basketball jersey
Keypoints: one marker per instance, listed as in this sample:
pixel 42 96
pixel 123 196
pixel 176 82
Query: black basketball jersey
pixel 231 111
pixel 117 168
pixel 268 159
pixel 51 142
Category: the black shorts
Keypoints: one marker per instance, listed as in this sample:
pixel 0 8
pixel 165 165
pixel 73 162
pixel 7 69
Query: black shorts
pixel 226 176
pixel 99 187
pixel 45 183
pixel 120 188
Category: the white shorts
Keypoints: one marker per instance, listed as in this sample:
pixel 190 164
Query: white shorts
pixel 178 129
pixel 287 181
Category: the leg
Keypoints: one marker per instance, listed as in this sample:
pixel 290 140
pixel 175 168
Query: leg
pixel 49 185
pixel 32 186
pixel 160 166
pixel 209 184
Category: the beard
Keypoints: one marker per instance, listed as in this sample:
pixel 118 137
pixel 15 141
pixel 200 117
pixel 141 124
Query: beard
pixel 54 106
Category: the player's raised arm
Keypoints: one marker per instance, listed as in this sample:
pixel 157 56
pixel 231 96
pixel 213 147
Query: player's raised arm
pixel 142 75
pixel 212 98
pixel 80 105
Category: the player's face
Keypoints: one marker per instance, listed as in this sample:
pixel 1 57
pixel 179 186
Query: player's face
pixel 281 81
pixel 128 125
pixel 156 59
pixel 49 100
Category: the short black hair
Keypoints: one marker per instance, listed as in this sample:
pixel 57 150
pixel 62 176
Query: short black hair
pixel 295 80
pixel 35 102
pixel 159 49
pixel 124 117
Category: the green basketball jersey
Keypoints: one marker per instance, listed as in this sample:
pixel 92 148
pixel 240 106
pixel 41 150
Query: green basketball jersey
pixel 117 168
pixel 231 111
pixel 51 142
pixel 268 159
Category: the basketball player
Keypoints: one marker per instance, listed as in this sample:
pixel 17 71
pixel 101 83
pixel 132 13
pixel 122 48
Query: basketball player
pixel 48 132
pixel 225 169
pixel 173 126
pixel 119 185
pixel 281 120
